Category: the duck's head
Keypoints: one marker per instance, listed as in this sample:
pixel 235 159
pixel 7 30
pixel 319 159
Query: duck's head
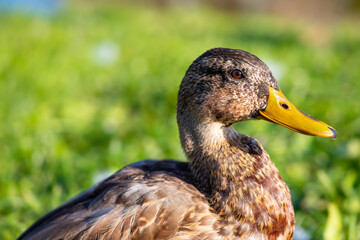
pixel 227 86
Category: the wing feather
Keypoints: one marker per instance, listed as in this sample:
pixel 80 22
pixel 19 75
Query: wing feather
pixel 151 200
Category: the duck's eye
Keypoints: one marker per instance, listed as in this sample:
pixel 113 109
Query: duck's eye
pixel 236 74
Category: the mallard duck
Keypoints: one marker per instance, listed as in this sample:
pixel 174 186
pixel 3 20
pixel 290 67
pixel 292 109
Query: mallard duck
pixel 230 189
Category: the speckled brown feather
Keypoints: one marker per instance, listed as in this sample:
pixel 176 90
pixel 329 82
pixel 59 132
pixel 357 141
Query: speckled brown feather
pixel 229 190
pixel 146 200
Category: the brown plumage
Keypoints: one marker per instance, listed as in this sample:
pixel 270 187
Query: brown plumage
pixel 230 189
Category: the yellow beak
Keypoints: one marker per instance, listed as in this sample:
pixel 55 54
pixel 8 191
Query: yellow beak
pixel 281 111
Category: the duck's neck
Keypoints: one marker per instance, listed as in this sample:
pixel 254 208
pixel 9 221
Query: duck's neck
pixel 242 183
pixel 218 153
pixel 214 153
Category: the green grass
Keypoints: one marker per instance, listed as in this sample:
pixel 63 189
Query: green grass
pixel 64 117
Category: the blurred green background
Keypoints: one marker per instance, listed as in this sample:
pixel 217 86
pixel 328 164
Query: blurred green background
pixel 87 88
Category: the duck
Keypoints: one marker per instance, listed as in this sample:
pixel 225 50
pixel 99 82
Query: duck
pixel 228 189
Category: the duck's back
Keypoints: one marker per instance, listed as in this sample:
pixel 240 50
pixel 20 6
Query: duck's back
pixel 146 200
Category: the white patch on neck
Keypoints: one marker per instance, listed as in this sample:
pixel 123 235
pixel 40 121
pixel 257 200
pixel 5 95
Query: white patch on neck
pixel 216 132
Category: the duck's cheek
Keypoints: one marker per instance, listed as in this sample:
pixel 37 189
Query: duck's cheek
pixel 262 91
pixel 230 112
pixel 261 105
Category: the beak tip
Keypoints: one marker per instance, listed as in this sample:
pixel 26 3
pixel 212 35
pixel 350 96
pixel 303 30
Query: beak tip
pixel 334 133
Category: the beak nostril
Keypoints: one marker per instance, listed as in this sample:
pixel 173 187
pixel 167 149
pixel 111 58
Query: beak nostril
pixel 284 106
